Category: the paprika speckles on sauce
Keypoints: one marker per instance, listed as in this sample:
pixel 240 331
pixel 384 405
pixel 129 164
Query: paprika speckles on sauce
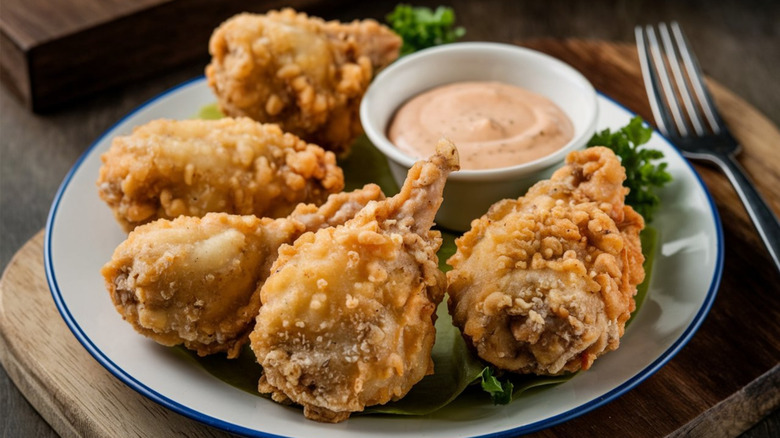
pixel 492 124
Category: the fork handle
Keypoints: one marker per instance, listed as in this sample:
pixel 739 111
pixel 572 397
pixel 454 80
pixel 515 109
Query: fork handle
pixel 764 219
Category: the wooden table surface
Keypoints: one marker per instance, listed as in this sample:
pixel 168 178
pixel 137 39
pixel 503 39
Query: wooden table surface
pixel 736 41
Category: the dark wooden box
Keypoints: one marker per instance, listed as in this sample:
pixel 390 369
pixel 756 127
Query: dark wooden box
pixel 54 51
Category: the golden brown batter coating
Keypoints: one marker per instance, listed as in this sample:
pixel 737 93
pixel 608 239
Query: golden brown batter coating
pixel 348 312
pixel 544 284
pixel 168 168
pixel 196 281
pixel 303 73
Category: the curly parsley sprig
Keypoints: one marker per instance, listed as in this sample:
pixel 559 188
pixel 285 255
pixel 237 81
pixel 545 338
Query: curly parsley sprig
pixel 643 177
pixel 422 27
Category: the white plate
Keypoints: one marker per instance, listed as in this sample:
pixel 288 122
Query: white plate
pixel 81 235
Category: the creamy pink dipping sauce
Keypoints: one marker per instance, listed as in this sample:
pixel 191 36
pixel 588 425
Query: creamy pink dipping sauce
pixel 492 124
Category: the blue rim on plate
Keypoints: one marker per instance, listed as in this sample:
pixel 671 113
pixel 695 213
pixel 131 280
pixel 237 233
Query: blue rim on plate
pixel 175 406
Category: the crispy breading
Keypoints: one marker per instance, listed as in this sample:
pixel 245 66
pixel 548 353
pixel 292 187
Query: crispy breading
pixel 544 284
pixel 169 168
pixel 303 73
pixel 348 312
pixel 196 281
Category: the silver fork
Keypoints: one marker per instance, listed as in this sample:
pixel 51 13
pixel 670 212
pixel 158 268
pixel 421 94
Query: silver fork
pixel 699 133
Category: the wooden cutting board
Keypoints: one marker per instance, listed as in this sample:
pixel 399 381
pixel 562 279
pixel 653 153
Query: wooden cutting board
pixel 721 383
pixel 58 51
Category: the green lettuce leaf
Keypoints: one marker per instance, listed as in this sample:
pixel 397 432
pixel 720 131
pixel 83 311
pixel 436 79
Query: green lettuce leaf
pixel 210 112
pixel 649 239
pixel 366 164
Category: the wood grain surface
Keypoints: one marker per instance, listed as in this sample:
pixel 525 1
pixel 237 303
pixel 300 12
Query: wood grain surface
pixel 76 395
pixel 720 384
pixel 55 52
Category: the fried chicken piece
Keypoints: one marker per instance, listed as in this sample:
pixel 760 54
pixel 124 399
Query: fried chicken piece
pixel 544 284
pixel 168 168
pixel 348 312
pixel 301 72
pixel 196 281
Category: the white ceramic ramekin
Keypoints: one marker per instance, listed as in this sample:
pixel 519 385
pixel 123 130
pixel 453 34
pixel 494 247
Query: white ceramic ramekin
pixel 469 193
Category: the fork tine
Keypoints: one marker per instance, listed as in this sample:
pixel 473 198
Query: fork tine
pixel 668 91
pixel 682 85
pixel 695 76
pixel 663 119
